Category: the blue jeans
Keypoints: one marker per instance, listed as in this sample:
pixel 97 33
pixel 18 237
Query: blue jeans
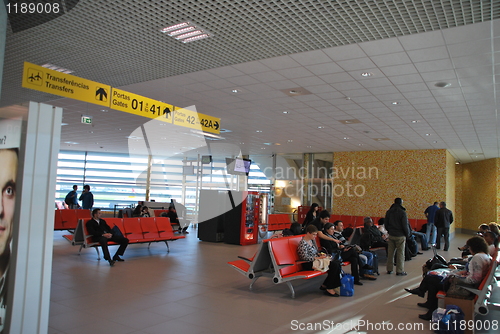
pixel 423 239
pixel 431 228
pixel 365 258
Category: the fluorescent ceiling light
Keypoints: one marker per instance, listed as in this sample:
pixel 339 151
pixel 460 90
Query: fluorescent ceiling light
pixel 175 27
pixel 195 38
pixel 57 68
pixel 189 34
pixel 186 32
pixel 181 31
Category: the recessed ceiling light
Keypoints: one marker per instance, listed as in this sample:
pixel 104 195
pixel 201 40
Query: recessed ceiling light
pixel 258 131
pixel 395 102
pixel 427 134
pixel 347 98
pixel 186 32
pixel 366 74
pixel 71 142
pixel 57 68
pixel 415 121
pixel 195 38
pixel 309 146
pixel 119 129
pixel 262 148
pixel 345 138
pixel 350 121
pixel 321 127
pixel 181 31
pixel 435 141
pixel 104 110
pixel 289 140
pixel 91 131
pixel 457 162
pixel 234 91
pixel 285 112
pixel 360 144
pixel 442 84
pixel 175 27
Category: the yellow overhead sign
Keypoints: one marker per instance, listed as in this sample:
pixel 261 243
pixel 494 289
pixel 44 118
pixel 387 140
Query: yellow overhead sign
pixel 66 85
pixel 141 106
pixel 195 120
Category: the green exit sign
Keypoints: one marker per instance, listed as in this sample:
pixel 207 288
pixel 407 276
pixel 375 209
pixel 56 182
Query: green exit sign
pixel 86 120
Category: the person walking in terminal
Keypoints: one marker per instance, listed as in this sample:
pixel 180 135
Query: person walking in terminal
pixel 443 220
pixel 475 271
pixel 308 251
pixel 396 223
pixel 101 232
pixel 431 230
pixel 87 198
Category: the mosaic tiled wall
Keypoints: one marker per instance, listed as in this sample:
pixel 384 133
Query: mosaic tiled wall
pixel 458 196
pixel 371 180
pixel 480 184
pixel 450 188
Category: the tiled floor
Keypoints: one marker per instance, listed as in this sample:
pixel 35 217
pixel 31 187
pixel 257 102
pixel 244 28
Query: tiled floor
pixel 192 290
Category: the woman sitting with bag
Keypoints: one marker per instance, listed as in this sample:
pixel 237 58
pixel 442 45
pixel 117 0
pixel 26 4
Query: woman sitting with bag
pixel 347 253
pixel 475 271
pixel 309 252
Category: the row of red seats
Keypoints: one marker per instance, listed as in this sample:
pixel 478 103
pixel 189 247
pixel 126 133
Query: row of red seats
pixel 67 219
pixel 278 221
pixel 281 221
pixel 145 229
pixel 358 221
pixel 137 230
pixel 281 255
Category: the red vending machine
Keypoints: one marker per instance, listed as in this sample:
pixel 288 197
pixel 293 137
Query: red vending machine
pixel 250 219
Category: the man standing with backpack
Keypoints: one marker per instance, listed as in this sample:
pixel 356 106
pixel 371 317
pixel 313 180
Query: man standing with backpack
pixel 72 198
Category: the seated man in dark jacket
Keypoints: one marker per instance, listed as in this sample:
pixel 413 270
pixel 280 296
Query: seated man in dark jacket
pixel 348 253
pixel 101 233
pixel 372 237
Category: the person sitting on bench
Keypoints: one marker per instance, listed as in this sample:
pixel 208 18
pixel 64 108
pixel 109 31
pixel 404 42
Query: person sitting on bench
pixel 101 233
pixel 308 251
pixel 475 271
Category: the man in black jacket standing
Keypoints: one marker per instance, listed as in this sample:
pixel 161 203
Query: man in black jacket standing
pixel 396 223
pixel 443 219
pixel 101 232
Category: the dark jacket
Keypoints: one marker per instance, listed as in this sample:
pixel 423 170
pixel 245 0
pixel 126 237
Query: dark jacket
pixel 396 221
pixel 97 229
pixel 317 222
pixel 443 218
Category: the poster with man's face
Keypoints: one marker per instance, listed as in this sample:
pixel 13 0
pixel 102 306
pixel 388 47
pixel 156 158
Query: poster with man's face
pixel 10 136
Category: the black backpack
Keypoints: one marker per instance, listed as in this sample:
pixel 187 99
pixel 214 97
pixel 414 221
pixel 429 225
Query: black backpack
pixel 68 200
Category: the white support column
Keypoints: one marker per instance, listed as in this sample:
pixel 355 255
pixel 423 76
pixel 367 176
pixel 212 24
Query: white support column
pixel 31 260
